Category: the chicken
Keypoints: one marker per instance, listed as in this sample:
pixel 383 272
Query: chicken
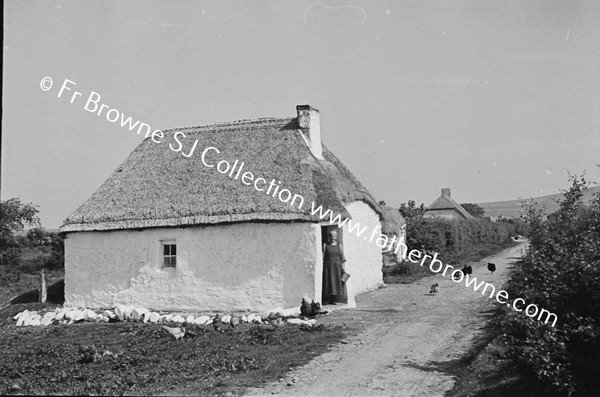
pixel 177 332
pixel 468 269
pixel 463 271
pixel 216 323
pixel 491 267
pixel 234 322
pixel 315 308
pixel 305 308
pixel 309 309
pixel 434 289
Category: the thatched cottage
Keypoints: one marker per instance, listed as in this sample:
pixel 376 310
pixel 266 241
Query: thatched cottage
pixel 393 224
pixel 219 217
pixel 445 207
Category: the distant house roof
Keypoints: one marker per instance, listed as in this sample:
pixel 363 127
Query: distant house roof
pixel 445 202
pixel 157 187
pixel 391 220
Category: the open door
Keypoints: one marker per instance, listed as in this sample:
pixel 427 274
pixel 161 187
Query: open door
pixel 333 290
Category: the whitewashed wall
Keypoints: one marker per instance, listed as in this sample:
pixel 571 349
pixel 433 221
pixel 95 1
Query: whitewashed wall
pixel 222 267
pixel 364 258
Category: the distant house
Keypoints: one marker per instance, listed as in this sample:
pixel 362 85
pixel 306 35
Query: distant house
pixel 178 227
pixel 445 207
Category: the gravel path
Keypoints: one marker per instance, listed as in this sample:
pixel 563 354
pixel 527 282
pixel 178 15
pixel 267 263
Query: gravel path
pixel 404 337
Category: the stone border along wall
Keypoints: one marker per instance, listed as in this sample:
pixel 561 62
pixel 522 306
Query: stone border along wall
pixel 130 313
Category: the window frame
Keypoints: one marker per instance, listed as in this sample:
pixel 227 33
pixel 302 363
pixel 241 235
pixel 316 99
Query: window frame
pixel 171 246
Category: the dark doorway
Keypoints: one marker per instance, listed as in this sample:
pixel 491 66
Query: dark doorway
pixel 332 289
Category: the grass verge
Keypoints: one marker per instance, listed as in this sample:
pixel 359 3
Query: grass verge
pixel 407 272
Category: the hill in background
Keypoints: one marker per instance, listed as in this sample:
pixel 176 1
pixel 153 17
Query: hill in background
pixel 512 208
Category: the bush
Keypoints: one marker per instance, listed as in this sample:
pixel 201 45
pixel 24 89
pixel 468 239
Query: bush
pixel 561 273
pixel 452 239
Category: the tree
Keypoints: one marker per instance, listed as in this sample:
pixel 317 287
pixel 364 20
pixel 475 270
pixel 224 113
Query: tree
pixel 473 209
pixel 14 216
pixel 410 210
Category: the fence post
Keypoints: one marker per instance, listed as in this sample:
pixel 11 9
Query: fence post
pixel 43 287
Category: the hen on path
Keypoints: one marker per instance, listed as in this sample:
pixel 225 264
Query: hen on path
pixel 434 289
pixel 491 267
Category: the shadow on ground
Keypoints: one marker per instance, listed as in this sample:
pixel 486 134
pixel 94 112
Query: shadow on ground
pixel 56 294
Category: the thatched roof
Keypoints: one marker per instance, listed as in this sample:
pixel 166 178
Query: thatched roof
pixel 157 187
pixel 391 220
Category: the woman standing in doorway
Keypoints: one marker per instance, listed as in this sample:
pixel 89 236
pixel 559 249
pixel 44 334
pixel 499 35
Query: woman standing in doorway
pixel 334 290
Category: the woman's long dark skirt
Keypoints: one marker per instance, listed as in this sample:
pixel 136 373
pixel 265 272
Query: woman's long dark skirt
pixel 334 290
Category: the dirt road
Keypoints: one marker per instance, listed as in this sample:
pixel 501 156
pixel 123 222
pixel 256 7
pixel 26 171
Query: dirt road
pixel 404 337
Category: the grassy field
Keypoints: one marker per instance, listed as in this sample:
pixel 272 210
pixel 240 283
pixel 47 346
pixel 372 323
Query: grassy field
pixel 512 208
pixel 142 359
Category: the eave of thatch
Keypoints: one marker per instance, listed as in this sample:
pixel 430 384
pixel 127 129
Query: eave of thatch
pixel 391 220
pixel 157 187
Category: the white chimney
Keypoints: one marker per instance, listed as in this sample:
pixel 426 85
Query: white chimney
pixel 446 192
pixel 310 129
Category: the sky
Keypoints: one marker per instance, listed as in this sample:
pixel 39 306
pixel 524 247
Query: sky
pixel 497 100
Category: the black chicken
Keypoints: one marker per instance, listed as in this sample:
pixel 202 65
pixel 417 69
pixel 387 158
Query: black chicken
pixel 468 270
pixel 491 267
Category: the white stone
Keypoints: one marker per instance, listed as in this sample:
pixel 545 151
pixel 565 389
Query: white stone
pixel 202 320
pixel 79 315
pixel 244 319
pixel 20 321
pixel 189 319
pixel 104 319
pixel 59 316
pixel 120 312
pixel 89 315
pixel 50 315
pixel 257 319
pixel 251 317
pixel 154 317
pixel 21 314
pixel 166 318
pixel 46 321
pixel 35 322
pixel 226 319
pixel 136 314
pixel 178 319
pixel 292 312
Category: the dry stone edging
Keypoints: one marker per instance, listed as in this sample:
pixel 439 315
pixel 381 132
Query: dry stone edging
pixel 120 313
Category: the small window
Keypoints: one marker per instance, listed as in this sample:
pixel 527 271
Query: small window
pixel 169 253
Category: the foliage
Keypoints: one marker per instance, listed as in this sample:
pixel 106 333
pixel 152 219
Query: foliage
pixel 561 273
pixel 452 238
pixel 14 216
pixel 410 210
pixel 473 209
pixel 19 254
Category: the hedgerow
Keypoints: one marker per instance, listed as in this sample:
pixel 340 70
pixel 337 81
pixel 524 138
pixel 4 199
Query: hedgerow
pixel 561 273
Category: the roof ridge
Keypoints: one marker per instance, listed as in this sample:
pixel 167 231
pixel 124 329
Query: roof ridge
pixel 232 124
